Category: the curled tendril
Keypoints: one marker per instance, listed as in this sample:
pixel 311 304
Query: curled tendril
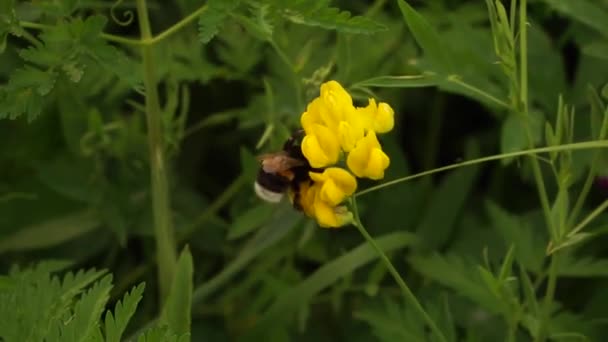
pixel 128 15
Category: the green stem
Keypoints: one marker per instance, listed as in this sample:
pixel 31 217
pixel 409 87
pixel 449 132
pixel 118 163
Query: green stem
pixel 590 176
pixel 480 92
pixel 145 41
pixel 546 311
pixel 176 27
pixel 600 209
pixel 575 146
pixel 522 105
pixel 163 228
pixel 407 293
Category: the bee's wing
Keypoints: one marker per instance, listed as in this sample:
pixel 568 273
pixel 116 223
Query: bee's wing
pixel 279 161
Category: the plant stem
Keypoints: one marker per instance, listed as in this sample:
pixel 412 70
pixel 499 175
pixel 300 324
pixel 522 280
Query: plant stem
pixel 163 229
pixel 489 97
pixel 540 185
pixel 546 311
pixel 590 176
pixel 565 147
pixel 145 41
pixel 407 293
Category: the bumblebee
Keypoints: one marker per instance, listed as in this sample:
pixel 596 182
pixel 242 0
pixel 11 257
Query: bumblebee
pixel 283 172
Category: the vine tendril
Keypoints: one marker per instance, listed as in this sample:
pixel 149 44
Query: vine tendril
pixel 128 15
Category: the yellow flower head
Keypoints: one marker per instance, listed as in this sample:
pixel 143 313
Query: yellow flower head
pixel 333 128
pixel 336 185
pixel 367 158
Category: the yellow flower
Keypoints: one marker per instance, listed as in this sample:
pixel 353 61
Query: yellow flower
pixel 335 96
pixel 332 217
pixel 367 158
pixel 324 213
pixel 308 192
pixel 379 118
pixel 335 185
pixel 320 146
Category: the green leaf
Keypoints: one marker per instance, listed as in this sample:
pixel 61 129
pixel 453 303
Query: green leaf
pixel 427 37
pixel 51 232
pixel 8 21
pixel 177 310
pixel 582 267
pixel 292 299
pixel 123 311
pixel 405 81
pixel 25 93
pixel 597 50
pixel 448 199
pixel 282 222
pixel 319 13
pixel 250 220
pixel 513 135
pixel 585 11
pixel 455 273
pixel 162 334
pixel 517 232
pixel 213 17
pixel 392 322
pixel 87 313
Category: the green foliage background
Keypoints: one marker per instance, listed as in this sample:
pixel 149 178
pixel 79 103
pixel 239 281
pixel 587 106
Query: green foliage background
pixel 130 131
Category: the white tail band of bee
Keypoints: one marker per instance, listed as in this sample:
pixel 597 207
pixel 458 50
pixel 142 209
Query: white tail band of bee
pixel 267 195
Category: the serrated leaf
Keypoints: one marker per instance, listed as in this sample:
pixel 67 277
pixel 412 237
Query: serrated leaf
pixel 518 233
pixel 453 272
pixel 116 323
pixel 427 37
pixel 177 310
pixel 213 16
pixel 87 312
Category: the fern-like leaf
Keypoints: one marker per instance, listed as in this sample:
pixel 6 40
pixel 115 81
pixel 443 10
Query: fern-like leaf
pixel 116 323
pixel 212 18
pixel 320 13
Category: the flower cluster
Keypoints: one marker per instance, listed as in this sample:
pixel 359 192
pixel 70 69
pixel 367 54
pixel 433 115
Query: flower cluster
pixel 336 130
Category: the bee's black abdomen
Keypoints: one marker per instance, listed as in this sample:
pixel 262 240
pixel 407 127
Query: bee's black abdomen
pixel 272 182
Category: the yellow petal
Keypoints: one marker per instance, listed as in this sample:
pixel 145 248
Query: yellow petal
pixel 334 94
pixel 357 158
pixel 308 194
pixel 385 118
pixel 332 217
pixel 367 158
pixel 343 179
pixel 311 116
pixel 321 148
pixel 378 162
